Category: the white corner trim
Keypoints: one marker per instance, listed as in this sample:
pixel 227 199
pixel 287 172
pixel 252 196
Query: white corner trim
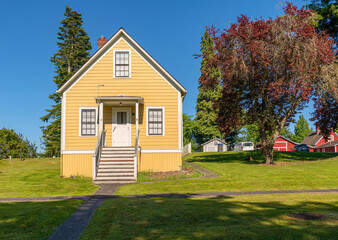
pixel 161 150
pixel 163 123
pixel 114 62
pixel 78 152
pixel 180 121
pixel 80 109
pixel 63 122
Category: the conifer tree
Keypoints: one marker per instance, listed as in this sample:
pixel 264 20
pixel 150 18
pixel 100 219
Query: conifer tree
pixel 302 129
pixel 73 51
pixel 206 115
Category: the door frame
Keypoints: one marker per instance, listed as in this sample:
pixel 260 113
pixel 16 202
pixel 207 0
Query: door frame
pixel 128 110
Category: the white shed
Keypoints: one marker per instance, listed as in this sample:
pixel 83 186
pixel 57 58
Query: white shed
pixel 213 145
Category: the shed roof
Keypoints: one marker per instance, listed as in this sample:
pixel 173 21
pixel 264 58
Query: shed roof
pixel 217 139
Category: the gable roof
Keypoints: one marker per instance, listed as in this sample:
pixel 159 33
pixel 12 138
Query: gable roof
pixel 211 141
pixel 287 139
pixel 313 138
pixel 121 33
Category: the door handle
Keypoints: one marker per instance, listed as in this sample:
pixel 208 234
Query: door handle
pixel 114 129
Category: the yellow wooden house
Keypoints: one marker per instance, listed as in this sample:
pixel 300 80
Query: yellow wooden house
pixel 121 114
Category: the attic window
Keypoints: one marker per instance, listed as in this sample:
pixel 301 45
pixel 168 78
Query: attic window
pixel 122 64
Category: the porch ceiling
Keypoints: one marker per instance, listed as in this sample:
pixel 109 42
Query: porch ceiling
pixel 119 100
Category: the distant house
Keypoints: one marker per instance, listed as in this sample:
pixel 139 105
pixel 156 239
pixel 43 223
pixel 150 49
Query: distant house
pixel 316 141
pixel 281 144
pixel 213 145
pixel 331 146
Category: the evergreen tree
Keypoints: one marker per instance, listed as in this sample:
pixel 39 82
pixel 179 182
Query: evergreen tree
pixel 189 130
pixel 286 133
pixel 73 51
pixel 206 115
pixel 301 130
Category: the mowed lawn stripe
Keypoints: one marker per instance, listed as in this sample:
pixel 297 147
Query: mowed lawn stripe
pixel 239 174
pixel 39 177
pixel 239 217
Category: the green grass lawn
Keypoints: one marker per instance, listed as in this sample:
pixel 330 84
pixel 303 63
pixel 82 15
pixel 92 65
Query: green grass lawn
pixel 238 174
pixel 190 172
pixel 34 220
pixel 39 177
pixel 240 217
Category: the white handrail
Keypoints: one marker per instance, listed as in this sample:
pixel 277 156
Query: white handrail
pixel 97 153
pixel 136 153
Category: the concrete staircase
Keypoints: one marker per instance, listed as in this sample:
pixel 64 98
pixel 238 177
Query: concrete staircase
pixel 116 165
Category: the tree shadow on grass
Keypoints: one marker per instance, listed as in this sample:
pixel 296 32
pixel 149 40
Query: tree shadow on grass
pixel 216 218
pixel 256 157
pixel 34 220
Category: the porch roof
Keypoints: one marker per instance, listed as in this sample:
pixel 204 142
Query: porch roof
pixel 120 99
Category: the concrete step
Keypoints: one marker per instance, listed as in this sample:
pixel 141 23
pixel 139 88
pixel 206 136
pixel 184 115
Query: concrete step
pixel 116 174
pixel 117 156
pixel 131 152
pixel 116 170
pixel 118 148
pixel 121 178
pixel 113 181
pixel 116 166
pixel 117 163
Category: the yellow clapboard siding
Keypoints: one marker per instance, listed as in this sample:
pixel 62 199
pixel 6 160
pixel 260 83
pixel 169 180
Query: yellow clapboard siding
pixel 160 162
pixel 77 165
pixel 144 81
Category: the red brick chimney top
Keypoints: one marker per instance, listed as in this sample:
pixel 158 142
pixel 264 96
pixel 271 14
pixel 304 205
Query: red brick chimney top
pixel 317 129
pixel 101 41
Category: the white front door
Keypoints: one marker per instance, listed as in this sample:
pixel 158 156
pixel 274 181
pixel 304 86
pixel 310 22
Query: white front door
pixel 121 127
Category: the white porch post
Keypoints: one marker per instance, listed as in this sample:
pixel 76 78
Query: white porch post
pixel 136 117
pixel 136 139
pixel 101 117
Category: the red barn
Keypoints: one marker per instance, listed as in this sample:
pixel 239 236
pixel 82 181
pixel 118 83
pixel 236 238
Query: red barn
pixel 283 144
pixel 316 141
pixel 328 147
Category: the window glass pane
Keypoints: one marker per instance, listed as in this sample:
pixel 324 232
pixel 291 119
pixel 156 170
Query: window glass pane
pixel 122 64
pixel 88 123
pixel 155 122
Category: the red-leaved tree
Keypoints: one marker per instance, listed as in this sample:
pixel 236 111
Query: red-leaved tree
pixel 270 69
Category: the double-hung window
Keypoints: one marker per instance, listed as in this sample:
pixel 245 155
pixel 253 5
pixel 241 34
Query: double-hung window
pixel 87 121
pixel 122 64
pixel 155 121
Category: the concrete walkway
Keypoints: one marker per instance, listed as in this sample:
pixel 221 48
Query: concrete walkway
pixel 73 227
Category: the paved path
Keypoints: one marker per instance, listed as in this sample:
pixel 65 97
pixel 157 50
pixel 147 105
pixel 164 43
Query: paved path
pixel 73 227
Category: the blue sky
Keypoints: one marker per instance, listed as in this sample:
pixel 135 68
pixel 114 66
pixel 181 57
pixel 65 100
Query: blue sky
pixel 169 30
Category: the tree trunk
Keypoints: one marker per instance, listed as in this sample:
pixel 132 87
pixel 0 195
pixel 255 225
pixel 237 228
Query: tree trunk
pixel 267 151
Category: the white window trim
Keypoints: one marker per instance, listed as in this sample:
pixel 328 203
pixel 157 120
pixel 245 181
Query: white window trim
pixel 163 124
pixel 80 110
pixel 122 50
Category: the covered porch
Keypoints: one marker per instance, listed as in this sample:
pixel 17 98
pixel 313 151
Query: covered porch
pixel 119 117
pixel 117 150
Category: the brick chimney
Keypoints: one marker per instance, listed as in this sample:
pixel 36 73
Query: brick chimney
pixel 101 41
pixel 317 129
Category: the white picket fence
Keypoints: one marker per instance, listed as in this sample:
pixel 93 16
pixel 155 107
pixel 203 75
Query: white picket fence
pixel 186 149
